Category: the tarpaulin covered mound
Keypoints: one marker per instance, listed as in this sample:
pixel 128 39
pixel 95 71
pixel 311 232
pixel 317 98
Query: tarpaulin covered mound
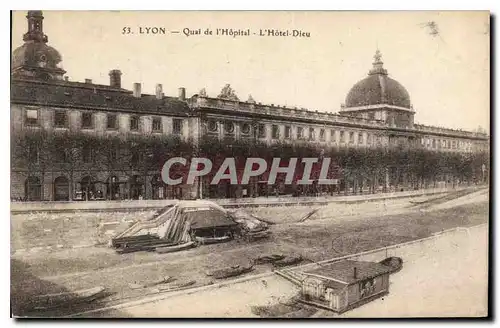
pixel 192 221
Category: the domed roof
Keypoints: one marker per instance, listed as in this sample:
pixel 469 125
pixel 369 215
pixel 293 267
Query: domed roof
pixel 36 54
pixel 378 89
pixel 36 59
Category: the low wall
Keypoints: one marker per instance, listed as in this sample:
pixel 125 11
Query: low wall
pixel 142 205
pixel 34 231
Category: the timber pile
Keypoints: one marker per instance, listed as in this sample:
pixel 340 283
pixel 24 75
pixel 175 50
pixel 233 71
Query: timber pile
pixel 139 243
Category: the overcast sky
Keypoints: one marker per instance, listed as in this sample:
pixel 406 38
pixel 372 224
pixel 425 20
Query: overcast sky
pixel 446 74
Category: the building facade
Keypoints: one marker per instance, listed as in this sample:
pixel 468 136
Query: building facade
pixel 377 113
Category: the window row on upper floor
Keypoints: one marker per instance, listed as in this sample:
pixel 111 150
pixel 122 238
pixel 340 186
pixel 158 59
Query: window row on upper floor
pixel 88 121
pixel 450 144
pixel 290 132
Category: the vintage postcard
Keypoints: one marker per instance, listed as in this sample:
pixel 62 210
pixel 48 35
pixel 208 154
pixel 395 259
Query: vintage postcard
pixel 250 164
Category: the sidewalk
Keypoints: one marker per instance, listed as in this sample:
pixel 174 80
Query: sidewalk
pixel 136 205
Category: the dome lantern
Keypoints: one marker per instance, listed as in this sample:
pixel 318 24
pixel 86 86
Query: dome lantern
pixel 35 59
pixel 378 64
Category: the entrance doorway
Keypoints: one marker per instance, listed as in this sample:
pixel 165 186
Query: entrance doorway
pixel 61 189
pixel 32 189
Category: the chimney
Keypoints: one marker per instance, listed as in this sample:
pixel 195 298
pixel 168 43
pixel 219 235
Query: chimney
pixel 137 90
pixel 115 78
pixel 89 81
pixel 182 94
pixel 66 78
pixel 355 273
pixel 159 91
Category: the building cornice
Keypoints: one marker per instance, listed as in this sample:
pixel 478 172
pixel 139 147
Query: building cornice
pixel 377 106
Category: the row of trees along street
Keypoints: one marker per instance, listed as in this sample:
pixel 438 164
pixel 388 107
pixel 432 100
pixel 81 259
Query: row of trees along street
pixel 39 151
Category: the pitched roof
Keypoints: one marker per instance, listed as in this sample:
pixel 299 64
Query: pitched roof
pixel 343 271
pixel 209 218
pixel 92 96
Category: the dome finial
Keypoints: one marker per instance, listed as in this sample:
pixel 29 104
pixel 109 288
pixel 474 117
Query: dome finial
pixel 377 56
pixel 378 65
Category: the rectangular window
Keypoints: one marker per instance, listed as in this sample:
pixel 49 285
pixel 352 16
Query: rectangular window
pixel 87 121
pixel 276 132
pixel 351 137
pixel 312 134
pixel 177 126
pixel 360 138
pixel 114 154
pixel 60 155
pixel 60 119
pixel 369 138
pixel 332 135
pixel 322 134
pixel 300 133
pixel 262 131
pixel 33 154
pixel 87 154
pixel 342 136
pixel 134 123
pixel 31 117
pixel 112 121
pixel 371 116
pixel 136 157
pixel 288 133
pixel 157 124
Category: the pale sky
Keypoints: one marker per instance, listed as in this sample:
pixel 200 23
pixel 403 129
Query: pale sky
pixel 446 75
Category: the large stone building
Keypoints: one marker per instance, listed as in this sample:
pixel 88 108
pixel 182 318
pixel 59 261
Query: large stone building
pixel 377 113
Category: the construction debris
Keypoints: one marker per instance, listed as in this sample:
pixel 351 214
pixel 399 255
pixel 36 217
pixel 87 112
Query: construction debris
pixel 268 258
pixel 163 280
pixel 308 215
pixel 232 271
pixel 288 260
